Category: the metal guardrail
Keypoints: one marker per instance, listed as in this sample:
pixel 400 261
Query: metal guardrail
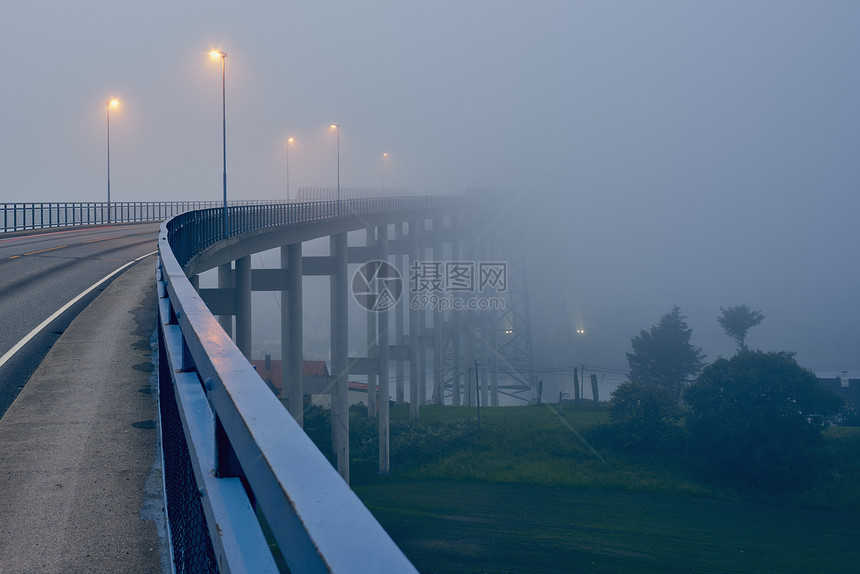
pixel 194 231
pixel 42 215
pixel 246 456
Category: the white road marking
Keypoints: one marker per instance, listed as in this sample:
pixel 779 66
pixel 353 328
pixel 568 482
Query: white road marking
pixel 17 346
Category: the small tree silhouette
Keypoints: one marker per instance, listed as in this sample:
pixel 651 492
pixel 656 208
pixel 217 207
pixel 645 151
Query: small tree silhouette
pixel 737 320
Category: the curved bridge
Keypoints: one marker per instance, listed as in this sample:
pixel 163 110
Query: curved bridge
pixel 235 458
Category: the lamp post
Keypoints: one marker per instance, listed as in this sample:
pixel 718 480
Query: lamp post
pixel 337 127
pixel 289 141
pixel 223 56
pixel 384 160
pixel 111 103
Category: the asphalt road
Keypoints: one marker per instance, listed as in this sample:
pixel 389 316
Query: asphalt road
pixel 40 273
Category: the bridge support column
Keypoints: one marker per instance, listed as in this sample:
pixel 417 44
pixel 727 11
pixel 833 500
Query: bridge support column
pixel 484 350
pixel 292 348
pixel 243 305
pixel 438 379
pixel 483 360
pixel 469 387
pixel 492 322
pixel 398 313
pixel 225 281
pixel 382 359
pixel 455 328
pixel 371 341
pixel 340 352
pixel 420 234
pixel 414 337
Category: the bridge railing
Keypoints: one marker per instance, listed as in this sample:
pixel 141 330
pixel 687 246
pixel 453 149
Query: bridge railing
pixel 41 215
pixel 232 453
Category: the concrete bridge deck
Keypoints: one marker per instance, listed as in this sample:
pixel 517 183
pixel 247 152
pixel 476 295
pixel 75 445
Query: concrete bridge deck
pixel 80 490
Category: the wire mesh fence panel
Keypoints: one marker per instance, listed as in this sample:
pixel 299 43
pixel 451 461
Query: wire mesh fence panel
pixel 189 536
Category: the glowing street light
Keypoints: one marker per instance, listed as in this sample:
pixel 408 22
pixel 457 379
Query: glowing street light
pixel 384 161
pixel 337 127
pixel 223 56
pixel 111 103
pixel 289 142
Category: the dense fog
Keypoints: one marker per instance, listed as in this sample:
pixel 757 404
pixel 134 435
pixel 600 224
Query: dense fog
pixel 656 154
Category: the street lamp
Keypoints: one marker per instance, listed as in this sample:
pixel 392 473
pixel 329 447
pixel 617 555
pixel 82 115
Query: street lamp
pixel 111 103
pixel 223 56
pixel 384 160
pixel 337 127
pixel 289 141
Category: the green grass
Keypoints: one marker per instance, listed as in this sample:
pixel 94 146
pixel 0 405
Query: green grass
pixel 529 492
pixel 472 527
pixel 537 445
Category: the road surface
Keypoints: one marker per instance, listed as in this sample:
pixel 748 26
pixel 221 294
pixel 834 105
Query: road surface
pixel 48 273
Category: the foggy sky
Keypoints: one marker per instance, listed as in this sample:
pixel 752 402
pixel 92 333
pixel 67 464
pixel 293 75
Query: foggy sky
pixel 699 154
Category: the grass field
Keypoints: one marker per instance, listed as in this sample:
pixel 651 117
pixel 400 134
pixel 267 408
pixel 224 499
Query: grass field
pixel 528 492
pixel 472 527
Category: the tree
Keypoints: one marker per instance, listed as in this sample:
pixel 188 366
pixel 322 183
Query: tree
pixel 756 419
pixel 737 320
pixel 643 415
pixel 664 355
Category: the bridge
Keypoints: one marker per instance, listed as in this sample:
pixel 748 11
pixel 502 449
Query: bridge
pixel 240 476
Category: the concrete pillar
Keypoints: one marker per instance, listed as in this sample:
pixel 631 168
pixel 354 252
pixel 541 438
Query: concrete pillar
pixel 484 360
pixel 438 379
pixel 467 317
pixel 455 330
pixel 340 353
pixel 371 342
pixel 243 305
pixel 414 339
pixel 469 398
pixel 292 345
pixel 481 330
pixel 398 313
pixel 382 357
pixel 225 281
pixel 422 325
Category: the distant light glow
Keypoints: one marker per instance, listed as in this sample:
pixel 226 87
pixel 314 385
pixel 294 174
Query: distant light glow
pixel 290 140
pixel 217 54
pixel 113 102
pixel 580 331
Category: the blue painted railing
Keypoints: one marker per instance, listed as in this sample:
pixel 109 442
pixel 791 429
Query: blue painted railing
pixel 232 451
pixel 41 215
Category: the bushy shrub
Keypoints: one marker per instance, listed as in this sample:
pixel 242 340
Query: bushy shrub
pixel 755 420
pixel 643 416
